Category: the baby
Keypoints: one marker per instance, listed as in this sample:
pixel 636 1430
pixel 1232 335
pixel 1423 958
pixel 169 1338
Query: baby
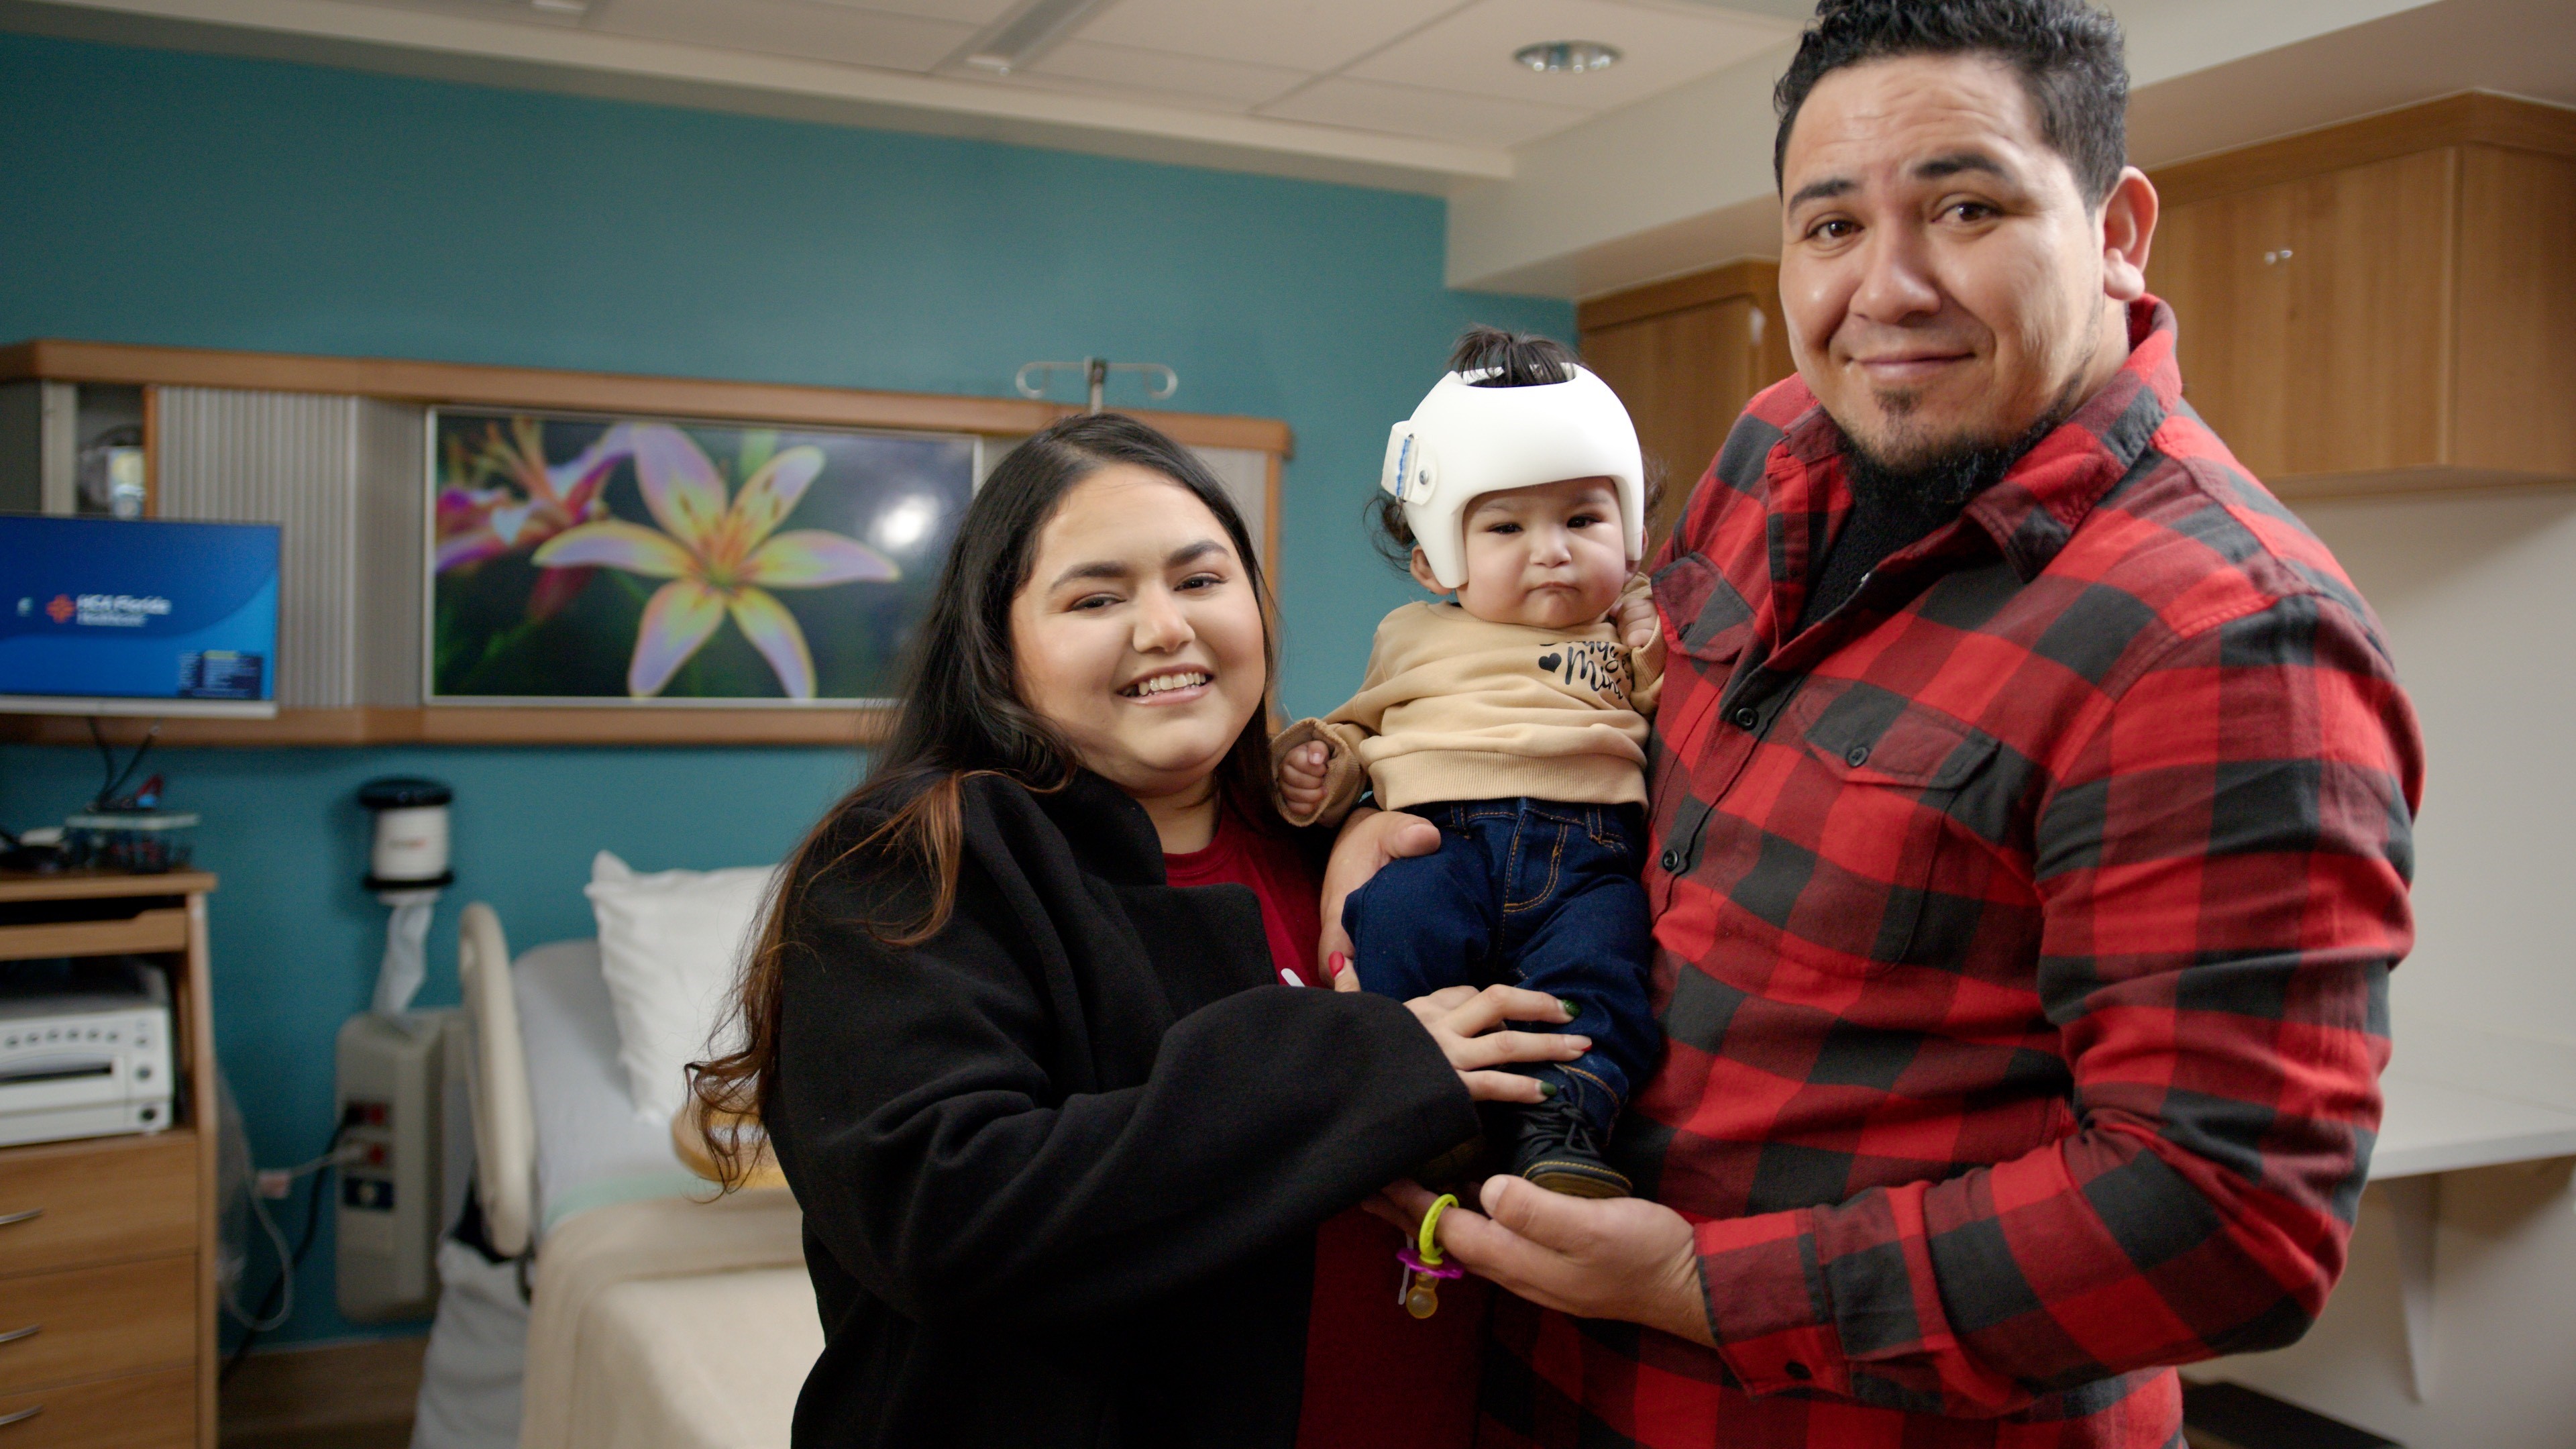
pixel 1514 718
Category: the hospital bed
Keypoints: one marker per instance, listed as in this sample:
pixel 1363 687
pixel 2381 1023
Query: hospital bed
pixel 623 1302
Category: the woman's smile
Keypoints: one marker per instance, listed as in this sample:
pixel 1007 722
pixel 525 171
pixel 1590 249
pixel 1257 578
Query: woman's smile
pixel 1170 687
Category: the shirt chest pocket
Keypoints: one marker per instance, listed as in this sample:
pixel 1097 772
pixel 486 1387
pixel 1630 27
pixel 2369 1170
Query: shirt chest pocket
pixel 1871 800
pixel 1711 621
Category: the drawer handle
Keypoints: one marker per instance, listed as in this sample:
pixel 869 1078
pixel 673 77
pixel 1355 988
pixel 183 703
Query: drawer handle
pixel 22 1416
pixel 29 1216
pixel 30 1331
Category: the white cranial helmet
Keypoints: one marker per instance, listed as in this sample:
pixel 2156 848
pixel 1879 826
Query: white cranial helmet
pixel 1466 441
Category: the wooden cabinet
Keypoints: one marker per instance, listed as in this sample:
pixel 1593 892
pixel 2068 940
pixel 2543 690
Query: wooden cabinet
pixel 1686 355
pixel 2388 305
pixel 107 1244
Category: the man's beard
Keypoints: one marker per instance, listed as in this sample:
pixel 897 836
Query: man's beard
pixel 1946 476
pixel 1943 481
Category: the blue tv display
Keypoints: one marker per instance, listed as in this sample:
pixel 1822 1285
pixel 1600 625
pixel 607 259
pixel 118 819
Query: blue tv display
pixel 141 616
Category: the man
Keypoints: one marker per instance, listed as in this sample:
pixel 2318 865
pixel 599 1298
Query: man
pixel 2031 830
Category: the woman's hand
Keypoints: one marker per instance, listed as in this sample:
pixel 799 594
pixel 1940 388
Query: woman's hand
pixel 1369 839
pixel 1462 1020
pixel 1301 777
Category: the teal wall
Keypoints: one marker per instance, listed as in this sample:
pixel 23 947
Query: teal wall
pixel 154 197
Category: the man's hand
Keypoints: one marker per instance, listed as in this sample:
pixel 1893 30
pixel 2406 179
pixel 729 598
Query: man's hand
pixel 1369 839
pixel 1621 1258
pixel 1301 777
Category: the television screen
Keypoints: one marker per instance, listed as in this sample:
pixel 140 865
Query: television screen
pixel 145 616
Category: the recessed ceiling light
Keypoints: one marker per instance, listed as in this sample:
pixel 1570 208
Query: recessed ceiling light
pixel 1567 55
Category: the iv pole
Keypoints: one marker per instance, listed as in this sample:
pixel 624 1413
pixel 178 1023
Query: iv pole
pixel 1095 373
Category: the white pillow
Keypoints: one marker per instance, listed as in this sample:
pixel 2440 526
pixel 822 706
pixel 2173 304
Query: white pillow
pixel 669 945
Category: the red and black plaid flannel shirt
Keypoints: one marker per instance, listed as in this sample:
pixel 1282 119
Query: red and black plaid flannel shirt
pixel 2023 930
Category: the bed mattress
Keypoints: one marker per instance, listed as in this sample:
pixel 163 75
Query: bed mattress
pixel 592 1147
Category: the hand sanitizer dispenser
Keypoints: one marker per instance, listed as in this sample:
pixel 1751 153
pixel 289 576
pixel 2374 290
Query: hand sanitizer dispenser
pixel 404 1133
pixel 406 868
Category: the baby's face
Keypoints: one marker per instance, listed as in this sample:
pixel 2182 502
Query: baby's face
pixel 1552 555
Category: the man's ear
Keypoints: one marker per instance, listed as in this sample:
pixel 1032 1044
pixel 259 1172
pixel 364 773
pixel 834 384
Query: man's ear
pixel 1422 573
pixel 2128 229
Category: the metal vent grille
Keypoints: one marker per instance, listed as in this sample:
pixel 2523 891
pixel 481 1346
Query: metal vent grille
pixel 341 475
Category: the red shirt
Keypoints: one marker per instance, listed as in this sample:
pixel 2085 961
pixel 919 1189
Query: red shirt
pixel 1376 1377
pixel 1290 891
pixel 2023 931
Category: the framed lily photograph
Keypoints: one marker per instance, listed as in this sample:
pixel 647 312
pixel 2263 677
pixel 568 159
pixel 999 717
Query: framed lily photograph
pixel 579 559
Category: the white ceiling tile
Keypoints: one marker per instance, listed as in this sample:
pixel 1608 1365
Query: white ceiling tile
pixel 1417 111
pixel 1116 68
pixel 788 27
pixel 1661 47
pixel 1074 85
pixel 1312 35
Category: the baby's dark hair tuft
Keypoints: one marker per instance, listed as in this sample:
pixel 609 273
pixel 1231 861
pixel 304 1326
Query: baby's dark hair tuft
pixel 1516 359
pixel 1388 533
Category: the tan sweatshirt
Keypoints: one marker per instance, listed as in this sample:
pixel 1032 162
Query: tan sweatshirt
pixel 1456 708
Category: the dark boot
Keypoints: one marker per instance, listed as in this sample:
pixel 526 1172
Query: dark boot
pixel 1561 1143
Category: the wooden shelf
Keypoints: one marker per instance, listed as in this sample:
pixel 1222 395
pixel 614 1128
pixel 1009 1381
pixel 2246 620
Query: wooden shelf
pixel 165 929
pixel 88 885
pixel 602 392
pixel 477 725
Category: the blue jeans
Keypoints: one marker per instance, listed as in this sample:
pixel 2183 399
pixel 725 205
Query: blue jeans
pixel 1528 893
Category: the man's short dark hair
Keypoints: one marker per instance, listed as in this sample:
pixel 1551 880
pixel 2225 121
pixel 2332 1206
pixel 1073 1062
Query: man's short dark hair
pixel 2070 58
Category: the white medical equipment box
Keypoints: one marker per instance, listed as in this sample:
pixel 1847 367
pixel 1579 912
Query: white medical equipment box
pixel 84 1051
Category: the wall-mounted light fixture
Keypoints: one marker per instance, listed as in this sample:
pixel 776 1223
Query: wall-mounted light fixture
pixel 1023 36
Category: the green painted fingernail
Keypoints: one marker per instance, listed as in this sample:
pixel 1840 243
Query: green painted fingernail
pixel 1547 1091
pixel 1571 1010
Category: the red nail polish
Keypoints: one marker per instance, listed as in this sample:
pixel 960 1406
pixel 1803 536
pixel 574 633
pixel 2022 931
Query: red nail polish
pixel 1339 962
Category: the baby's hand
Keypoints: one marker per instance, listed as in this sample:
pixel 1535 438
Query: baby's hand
pixel 1638 628
pixel 1301 776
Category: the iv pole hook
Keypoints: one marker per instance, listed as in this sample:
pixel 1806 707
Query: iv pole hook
pixel 1095 376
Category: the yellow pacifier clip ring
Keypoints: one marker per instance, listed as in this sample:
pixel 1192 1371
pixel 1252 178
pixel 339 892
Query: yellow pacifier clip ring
pixel 1428 1243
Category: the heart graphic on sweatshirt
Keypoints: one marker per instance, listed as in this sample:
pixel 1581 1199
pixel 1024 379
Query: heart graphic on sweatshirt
pixel 1549 662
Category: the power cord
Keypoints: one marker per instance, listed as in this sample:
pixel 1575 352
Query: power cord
pixel 116 778
pixel 278 1303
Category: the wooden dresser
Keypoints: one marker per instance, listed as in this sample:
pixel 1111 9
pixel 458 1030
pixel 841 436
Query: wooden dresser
pixel 107 1244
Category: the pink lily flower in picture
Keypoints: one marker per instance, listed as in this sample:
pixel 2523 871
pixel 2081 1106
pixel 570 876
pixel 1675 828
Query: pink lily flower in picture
pixel 720 559
pixel 476 523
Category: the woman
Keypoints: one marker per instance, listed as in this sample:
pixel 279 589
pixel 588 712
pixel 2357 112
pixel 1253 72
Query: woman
pixel 1062 1133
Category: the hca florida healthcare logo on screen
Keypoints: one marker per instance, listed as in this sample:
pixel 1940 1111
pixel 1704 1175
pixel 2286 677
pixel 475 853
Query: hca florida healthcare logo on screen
pixel 107 611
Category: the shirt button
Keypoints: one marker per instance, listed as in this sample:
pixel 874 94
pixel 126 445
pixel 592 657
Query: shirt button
pixel 1747 717
pixel 1857 756
pixel 1671 862
pixel 1796 1370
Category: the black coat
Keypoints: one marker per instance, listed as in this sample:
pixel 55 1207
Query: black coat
pixel 1061 1165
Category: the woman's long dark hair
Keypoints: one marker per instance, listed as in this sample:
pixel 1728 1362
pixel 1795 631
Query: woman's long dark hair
pixel 961 715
